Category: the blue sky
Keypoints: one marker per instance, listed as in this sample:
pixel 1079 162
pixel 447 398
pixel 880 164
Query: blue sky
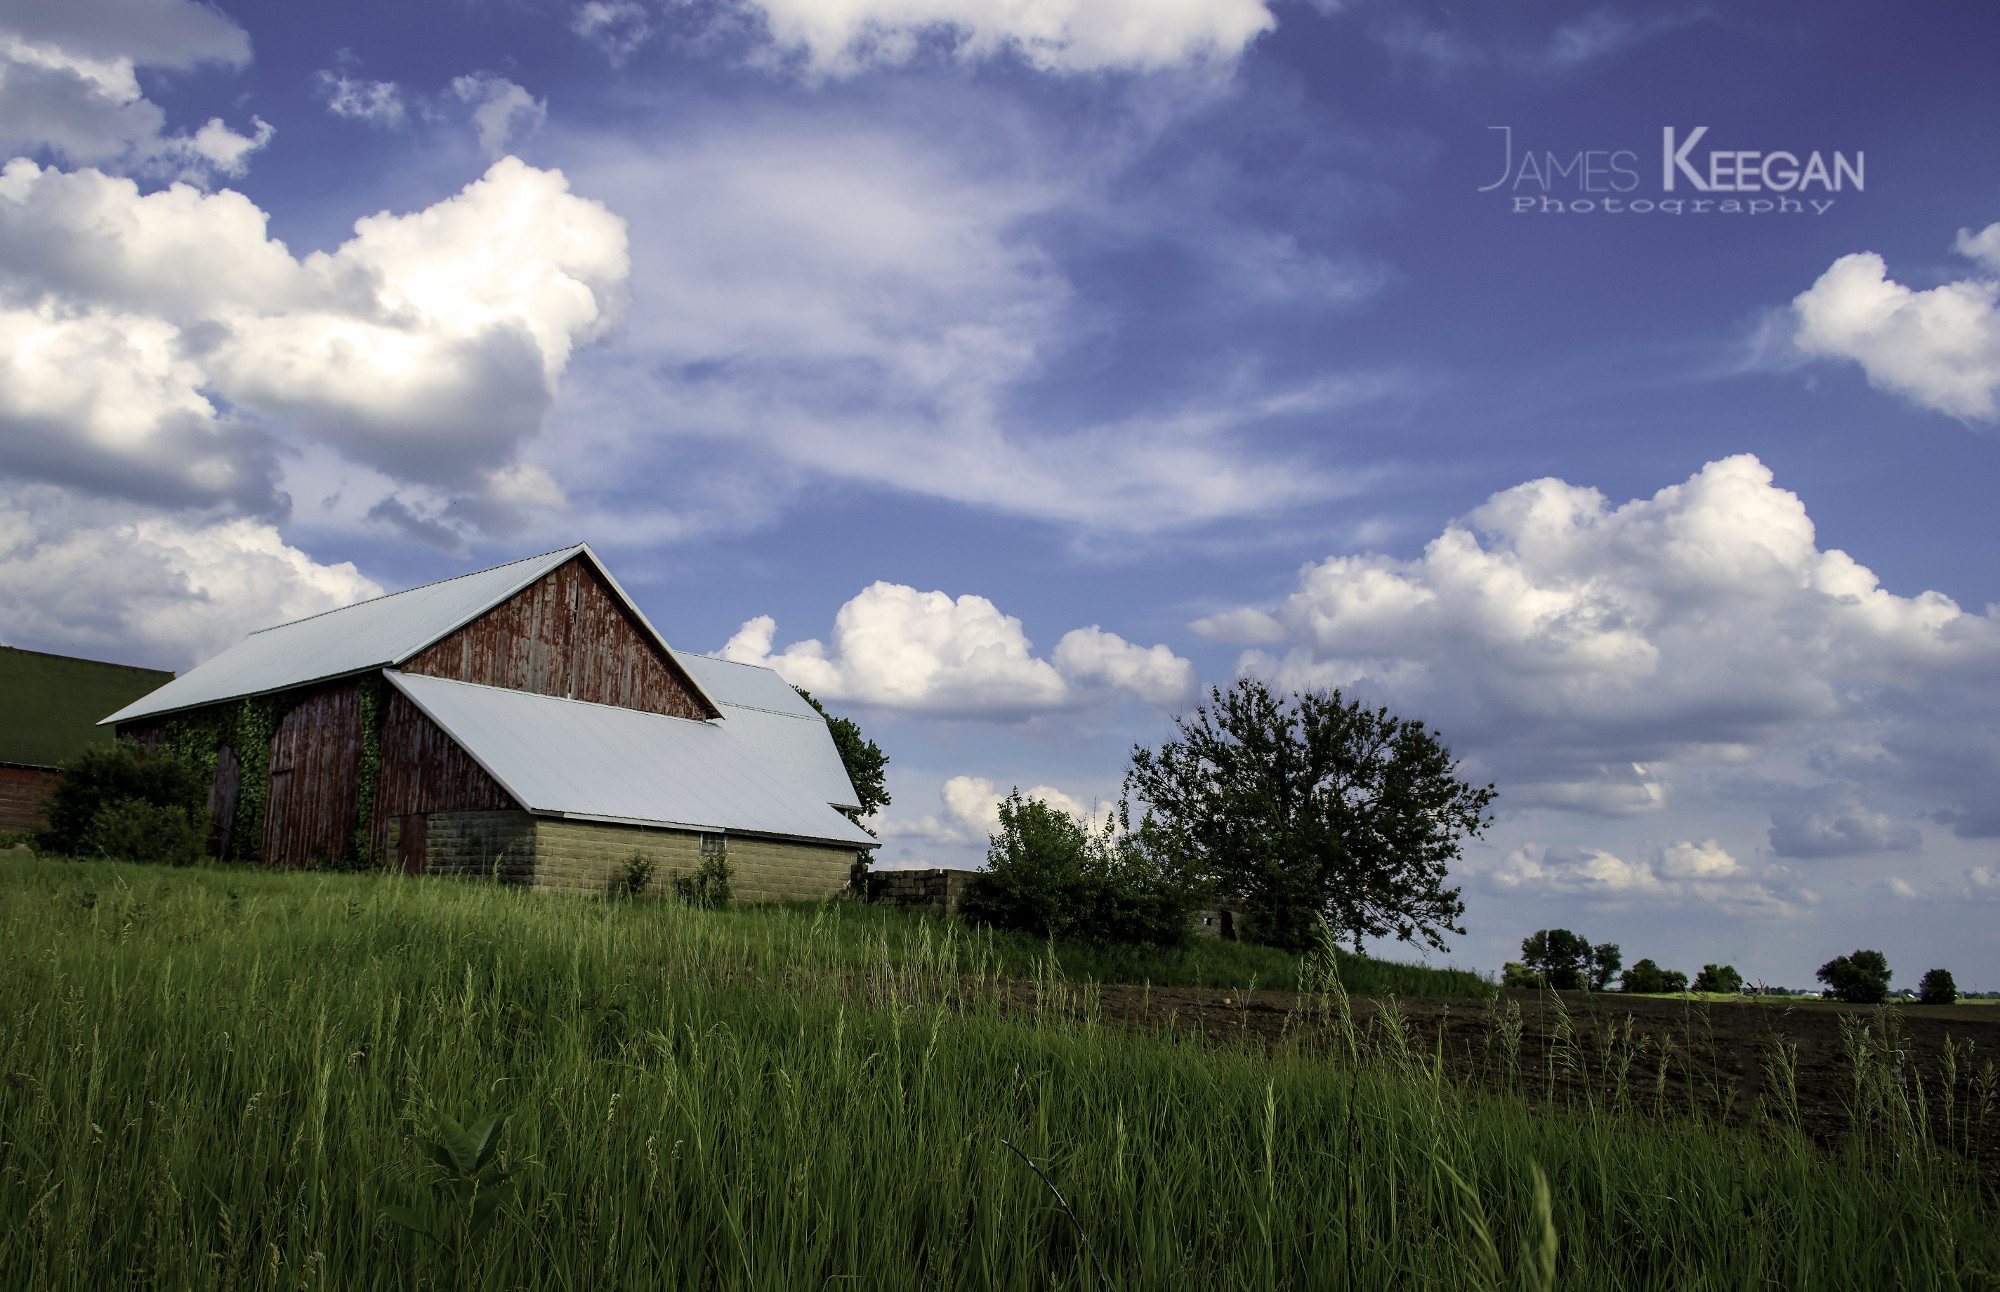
pixel 1007 373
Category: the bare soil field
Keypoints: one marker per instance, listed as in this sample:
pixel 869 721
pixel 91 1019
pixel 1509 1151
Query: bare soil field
pixel 1646 1056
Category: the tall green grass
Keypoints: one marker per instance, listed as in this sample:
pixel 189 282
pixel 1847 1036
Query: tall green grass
pixel 216 1079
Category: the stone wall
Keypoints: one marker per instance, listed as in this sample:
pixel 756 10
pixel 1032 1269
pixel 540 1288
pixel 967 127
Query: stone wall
pixel 940 890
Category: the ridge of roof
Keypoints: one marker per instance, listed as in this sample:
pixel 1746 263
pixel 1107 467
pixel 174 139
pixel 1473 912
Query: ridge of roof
pixel 403 592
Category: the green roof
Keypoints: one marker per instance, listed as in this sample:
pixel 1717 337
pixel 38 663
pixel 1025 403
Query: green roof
pixel 50 704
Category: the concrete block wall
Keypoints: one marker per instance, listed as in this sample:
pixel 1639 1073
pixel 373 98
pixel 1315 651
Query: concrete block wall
pixel 487 845
pixel 940 889
pixel 588 857
pixel 784 870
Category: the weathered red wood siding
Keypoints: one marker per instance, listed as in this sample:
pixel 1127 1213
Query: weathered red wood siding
pixel 315 778
pixel 23 791
pixel 424 771
pixel 566 635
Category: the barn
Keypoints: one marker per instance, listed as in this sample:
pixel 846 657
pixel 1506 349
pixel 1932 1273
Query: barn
pixel 49 706
pixel 525 723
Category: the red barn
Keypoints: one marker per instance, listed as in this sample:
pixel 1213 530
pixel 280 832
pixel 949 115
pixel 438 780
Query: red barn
pixel 524 722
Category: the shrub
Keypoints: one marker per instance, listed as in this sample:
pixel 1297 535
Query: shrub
pixel 1516 974
pixel 1052 874
pixel 133 829
pixel 123 781
pixel 636 876
pixel 708 886
pixel 1860 979
pixel 1937 988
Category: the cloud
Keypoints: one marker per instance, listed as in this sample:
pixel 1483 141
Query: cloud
pixel 898 648
pixel 851 36
pixel 618 27
pixel 837 300
pixel 176 34
pixel 1844 831
pixel 501 110
pixel 1938 347
pixel 1680 873
pixel 970 812
pixel 1154 674
pixel 157 590
pixel 1589 656
pixel 378 103
pixel 69 84
pixel 428 346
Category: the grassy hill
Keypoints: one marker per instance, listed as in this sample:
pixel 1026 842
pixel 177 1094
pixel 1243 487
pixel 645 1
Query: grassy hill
pixel 234 1079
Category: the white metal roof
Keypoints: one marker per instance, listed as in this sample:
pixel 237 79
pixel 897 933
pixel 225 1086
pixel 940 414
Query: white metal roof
pixel 598 762
pixel 369 634
pixel 767 716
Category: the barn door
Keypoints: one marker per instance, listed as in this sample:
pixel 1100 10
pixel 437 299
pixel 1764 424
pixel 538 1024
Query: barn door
pixel 309 815
pixel 222 793
pixel 412 838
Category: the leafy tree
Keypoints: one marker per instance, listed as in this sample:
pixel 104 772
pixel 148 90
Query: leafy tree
pixel 1308 807
pixel 1516 974
pixel 126 801
pixel 1647 977
pixel 1605 961
pixel 866 764
pixel 1861 979
pixel 1561 959
pixel 1718 978
pixel 1937 988
pixel 1053 874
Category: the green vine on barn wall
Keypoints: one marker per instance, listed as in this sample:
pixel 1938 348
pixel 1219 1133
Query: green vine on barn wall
pixel 370 771
pixel 247 727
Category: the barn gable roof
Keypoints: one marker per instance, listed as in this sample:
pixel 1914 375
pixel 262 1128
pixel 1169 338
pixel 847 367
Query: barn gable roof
pixel 766 715
pixel 598 762
pixel 378 633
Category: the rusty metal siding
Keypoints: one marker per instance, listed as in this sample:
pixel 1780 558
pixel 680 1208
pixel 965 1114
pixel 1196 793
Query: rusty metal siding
pixel 424 771
pixel 23 793
pixel 315 773
pixel 566 635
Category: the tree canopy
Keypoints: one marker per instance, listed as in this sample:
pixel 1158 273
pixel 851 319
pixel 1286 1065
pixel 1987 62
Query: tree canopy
pixel 1718 978
pixel 1646 976
pixel 1936 987
pixel 1309 806
pixel 1861 979
pixel 867 766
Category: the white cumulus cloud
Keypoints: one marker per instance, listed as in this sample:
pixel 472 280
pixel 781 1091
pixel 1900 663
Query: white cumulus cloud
pixel 428 346
pixel 1152 673
pixel 1938 346
pixel 1586 654
pixel 1680 873
pixel 969 812
pixel 158 590
pixel 898 648
pixel 69 84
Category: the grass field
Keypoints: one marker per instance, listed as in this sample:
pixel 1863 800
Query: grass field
pixel 237 1079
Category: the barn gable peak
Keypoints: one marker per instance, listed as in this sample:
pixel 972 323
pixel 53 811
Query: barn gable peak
pixel 382 632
